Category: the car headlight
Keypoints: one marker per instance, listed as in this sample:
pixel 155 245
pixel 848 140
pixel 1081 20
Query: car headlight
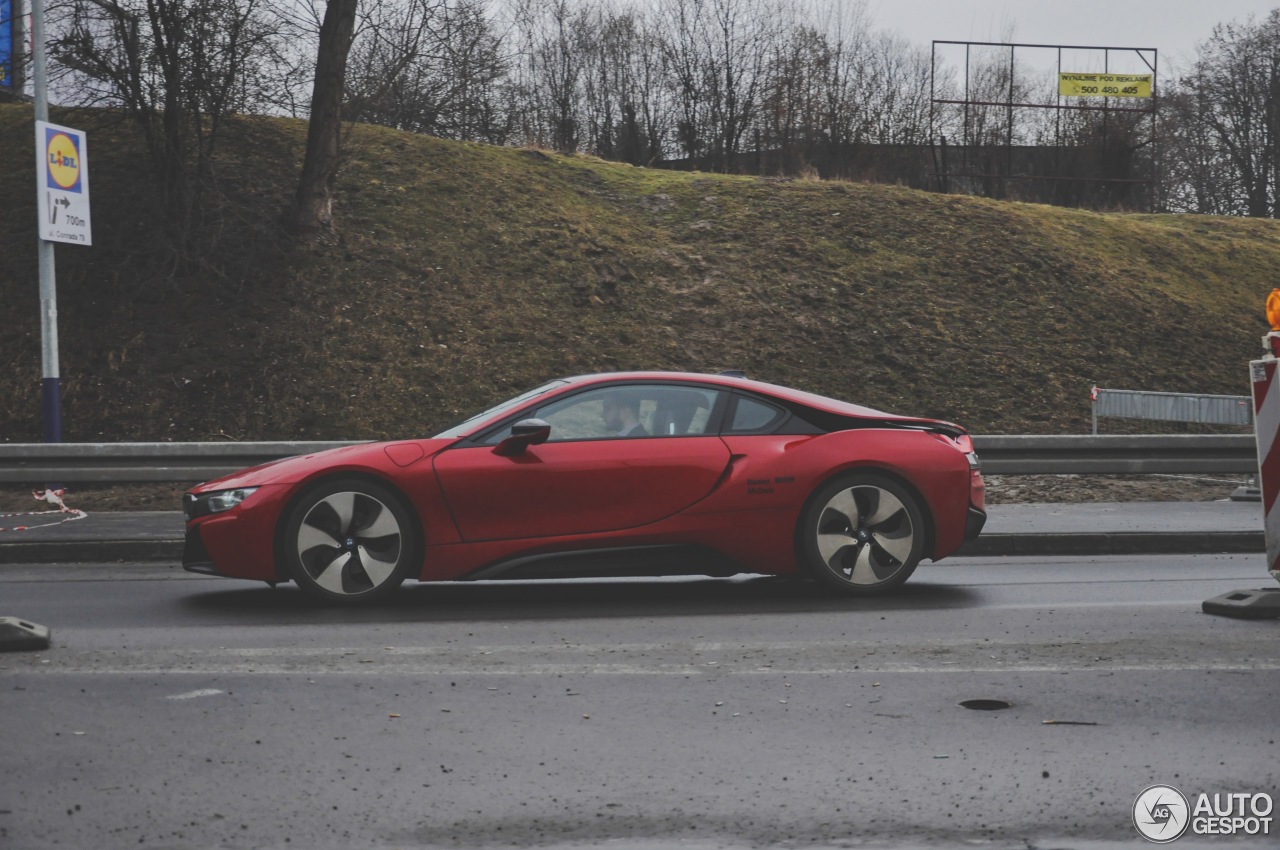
pixel 204 504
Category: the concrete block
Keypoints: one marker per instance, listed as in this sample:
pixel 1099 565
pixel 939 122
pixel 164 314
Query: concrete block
pixel 17 635
pixel 1261 604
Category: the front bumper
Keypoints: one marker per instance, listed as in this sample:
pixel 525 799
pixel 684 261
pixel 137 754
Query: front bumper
pixel 973 525
pixel 195 557
pixel 237 543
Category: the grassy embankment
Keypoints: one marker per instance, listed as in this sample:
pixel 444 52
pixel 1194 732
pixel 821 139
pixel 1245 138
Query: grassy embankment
pixel 466 272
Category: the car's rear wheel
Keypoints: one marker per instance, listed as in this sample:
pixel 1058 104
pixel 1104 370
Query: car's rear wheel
pixel 862 533
pixel 349 541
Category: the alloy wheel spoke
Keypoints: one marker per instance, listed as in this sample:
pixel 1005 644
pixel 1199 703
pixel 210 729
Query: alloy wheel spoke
pixel 377 569
pixel 310 537
pixel 383 525
pixel 830 546
pixel 344 505
pixel 863 569
pixel 887 507
pixel 330 578
pixel 846 505
pixel 897 544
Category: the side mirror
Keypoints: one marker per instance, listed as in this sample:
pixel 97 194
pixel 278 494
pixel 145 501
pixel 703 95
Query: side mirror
pixel 525 433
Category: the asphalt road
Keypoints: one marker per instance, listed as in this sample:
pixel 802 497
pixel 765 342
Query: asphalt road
pixel 179 711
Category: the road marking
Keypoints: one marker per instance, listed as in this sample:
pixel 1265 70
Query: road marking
pixel 635 670
pixel 1190 651
pixel 206 692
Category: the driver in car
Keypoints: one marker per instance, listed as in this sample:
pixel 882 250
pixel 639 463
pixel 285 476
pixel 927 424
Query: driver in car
pixel 621 415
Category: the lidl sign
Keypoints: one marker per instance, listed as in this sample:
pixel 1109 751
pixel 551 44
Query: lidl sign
pixel 1105 85
pixel 62 184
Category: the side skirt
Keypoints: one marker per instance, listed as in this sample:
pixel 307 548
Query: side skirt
pixel 604 563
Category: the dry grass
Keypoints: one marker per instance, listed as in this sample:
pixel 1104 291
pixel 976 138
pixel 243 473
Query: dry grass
pixel 467 272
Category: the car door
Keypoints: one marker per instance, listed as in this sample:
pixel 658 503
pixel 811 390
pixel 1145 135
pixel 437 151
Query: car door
pixel 587 477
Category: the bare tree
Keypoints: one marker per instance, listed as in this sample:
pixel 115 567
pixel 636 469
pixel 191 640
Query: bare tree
pixel 555 40
pixel 430 66
pixel 793 116
pixel 1234 90
pixel 177 67
pixel 311 212
pixel 390 40
pixel 716 53
pixel 472 57
pixel 895 80
pixel 621 88
pixel 737 45
pixel 679 25
pixel 1196 175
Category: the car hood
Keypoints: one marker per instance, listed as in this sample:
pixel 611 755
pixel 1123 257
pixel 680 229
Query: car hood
pixel 291 470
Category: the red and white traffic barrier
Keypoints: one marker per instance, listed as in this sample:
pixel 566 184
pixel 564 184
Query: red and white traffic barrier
pixel 1266 423
pixel 1265 375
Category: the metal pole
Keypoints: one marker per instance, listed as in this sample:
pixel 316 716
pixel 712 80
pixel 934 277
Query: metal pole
pixel 1057 140
pixel 1156 184
pixel 1008 164
pixel 967 142
pixel 1106 115
pixel 933 105
pixel 51 382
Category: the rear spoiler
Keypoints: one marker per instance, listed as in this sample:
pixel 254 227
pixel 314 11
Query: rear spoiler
pixel 936 426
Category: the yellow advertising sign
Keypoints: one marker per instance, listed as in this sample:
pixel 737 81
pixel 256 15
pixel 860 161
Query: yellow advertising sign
pixel 1105 85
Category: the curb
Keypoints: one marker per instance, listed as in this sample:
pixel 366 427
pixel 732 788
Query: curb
pixel 90 551
pixel 1117 543
pixel 989 545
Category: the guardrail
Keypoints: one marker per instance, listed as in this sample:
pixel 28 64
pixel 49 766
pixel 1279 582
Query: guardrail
pixel 1172 407
pixel 1138 454
pixel 116 463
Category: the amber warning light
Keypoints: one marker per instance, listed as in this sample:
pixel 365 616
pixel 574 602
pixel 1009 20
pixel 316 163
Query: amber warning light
pixel 1271 342
pixel 1273 309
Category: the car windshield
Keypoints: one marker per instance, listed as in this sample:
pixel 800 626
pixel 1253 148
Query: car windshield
pixel 466 425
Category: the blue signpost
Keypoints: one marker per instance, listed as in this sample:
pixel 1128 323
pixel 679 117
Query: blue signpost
pixel 7 76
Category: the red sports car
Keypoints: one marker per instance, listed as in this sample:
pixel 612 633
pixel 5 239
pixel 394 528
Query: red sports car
pixel 624 474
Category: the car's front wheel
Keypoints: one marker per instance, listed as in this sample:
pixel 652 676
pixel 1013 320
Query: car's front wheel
pixel 348 541
pixel 862 533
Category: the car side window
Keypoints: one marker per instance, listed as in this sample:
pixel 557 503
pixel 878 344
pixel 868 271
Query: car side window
pixel 578 418
pixel 626 411
pixel 753 416
pixel 682 411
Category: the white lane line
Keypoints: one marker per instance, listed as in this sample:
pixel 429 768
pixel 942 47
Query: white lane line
pixel 685 671
pixel 206 692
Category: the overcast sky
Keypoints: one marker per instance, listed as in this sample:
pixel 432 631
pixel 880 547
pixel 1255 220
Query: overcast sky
pixel 1173 27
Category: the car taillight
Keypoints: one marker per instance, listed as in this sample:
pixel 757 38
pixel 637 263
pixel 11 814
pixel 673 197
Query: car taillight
pixel 977 487
pixel 964 443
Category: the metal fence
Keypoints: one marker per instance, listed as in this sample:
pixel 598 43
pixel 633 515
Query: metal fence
pixel 1172 407
pixel 116 463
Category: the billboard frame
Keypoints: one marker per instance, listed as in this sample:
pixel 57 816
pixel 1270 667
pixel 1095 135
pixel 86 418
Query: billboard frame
pixel 944 173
